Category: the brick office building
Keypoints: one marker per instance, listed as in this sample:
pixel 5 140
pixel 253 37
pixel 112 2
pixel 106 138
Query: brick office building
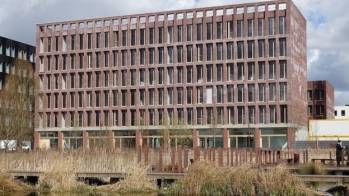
pixel 320 100
pixel 230 76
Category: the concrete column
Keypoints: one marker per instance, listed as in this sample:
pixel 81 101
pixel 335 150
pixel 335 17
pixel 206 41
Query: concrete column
pixel 257 138
pixel 36 145
pixel 226 138
pixel 290 137
pixel 196 141
pixel 85 140
pixel 111 139
pixel 60 141
pixel 138 139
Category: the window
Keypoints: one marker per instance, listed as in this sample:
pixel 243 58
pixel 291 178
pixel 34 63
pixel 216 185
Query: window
pixel 133 37
pixel 250 71
pixel 262 114
pixel 189 53
pixel 179 75
pixel 151 97
pixel 115 98
pixel 189 74
pixel 200 52
pixel 230 29
pixel 115 38
pixel 106 39
pixel 169 75
pixel 272 70
pixel 209 52
pixel 72 42
pixel 161 35
pixel 251 93
pixel 209 31
pixel 261 70
pixel 250 28
pixel 283 91
pixel 271 47
pixel 98 37
pixel 272 114
pixel 152 76
pixel 160 96
pixel 282 47
pixel 209 73
pixel 230 50
pixel 142 56
pixel 179 33
pixel 241 114
pixel 272 91
pixel 151 56
pixel 200 95
pixel 199 32
pixel 209 95
pixel 230 93
pixel 151 36
pixel 169 34
pixel 283 70
pixel 219 73
pixel 124 58
pixel 190 116
pixel 161 55
pixel 220 115
pixel 219 94
pixel 89 40
pixel 250 49
pixel 142 37
pixel 179 54
pixel 261 48
pixel 271 26
pixel 230 72
pixel 240 88
pixel 219 30
pixel 142 77
pixel 261 92
pixel 219 51
pixel 209 116
pixel 240 28
pixel 282 25
pixel 231 115
pixel 199 73
pixel 283 114
pixel 180 96
pixel 189 32
pixel 170 55
pixel 240 67
pixel 189 95
pixel 260 26
pixel 160 75
pixel 124 37
pixel 240 46
pixel 199 115
pixel 251 115
pixel 342 112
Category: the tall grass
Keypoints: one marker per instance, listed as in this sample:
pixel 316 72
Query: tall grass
pixel 206 179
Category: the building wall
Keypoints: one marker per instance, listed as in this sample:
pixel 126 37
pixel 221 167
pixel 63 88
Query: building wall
pixel 329 130
pixel 218 109
pixel 341 112
pixel 320 100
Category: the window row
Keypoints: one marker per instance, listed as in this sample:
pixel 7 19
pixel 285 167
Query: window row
pixel 199 116
pixel 169 35
pixel 171 75
pixel 163 17
pixel 262 92
pixel 167 55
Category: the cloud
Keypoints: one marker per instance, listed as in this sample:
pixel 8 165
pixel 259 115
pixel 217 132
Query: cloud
pixel 328 41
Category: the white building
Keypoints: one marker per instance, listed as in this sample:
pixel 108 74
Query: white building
pixel 341 112
pixel 328 130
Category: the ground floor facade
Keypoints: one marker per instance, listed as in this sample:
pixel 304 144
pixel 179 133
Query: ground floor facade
pixel 275 137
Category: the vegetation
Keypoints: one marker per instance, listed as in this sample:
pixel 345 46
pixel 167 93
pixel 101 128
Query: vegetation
pixel 17 101
pixel 206 179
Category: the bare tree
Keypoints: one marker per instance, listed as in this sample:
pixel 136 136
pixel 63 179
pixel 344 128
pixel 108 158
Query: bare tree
pixel 17 104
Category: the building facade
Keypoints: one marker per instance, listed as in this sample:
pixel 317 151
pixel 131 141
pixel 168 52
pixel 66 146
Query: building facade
pixel 10 50
pixel 341 112
pixel 227 76
pixel 320 100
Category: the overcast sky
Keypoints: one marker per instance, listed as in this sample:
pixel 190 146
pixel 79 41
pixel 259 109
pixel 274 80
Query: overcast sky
pixel 328 29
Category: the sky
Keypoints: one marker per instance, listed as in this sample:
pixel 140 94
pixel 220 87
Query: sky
pixel 327 27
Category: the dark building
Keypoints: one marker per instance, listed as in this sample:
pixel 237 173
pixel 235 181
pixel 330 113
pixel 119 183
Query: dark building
pixel 232 76
pixel 10 50
pixel 320 100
